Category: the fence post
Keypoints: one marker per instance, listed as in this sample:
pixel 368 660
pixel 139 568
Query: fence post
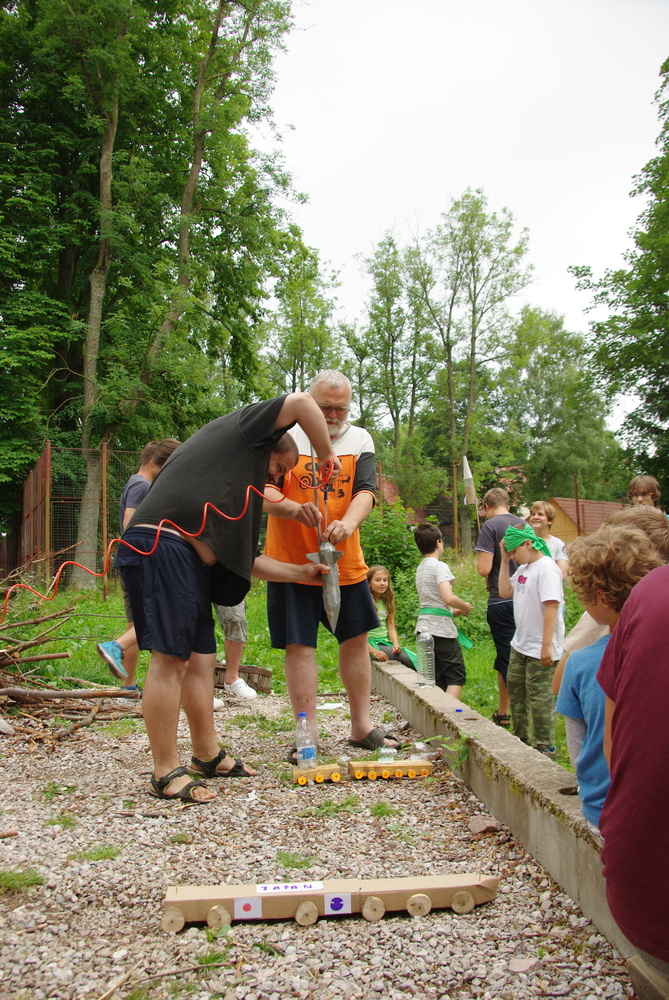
pixel 104 537
pixel 48 526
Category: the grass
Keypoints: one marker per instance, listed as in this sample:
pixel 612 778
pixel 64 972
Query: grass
pixel 66 820
pixel 94 619
pixel 381 809
pixel 102 852
pixel 51 790
pixel 181 838
pixel 17 880
pixel 290 860
pixel 330 808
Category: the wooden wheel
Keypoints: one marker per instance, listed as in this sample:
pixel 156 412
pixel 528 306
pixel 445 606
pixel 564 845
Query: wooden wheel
pixel 462 902
pixel 219 916
pixel 306 913
pixel 335 776
pixel 319 778
pixel 411 773
pixel 399 773
pixel 385 774
pixel 419 904
pixel 358 774
pixel 425 773
pixel 371 775
pixel 373 908
pixel 172 919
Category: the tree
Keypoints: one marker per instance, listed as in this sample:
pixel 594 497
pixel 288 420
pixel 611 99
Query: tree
pixel 630 348
pixel 137 216
pixel 554 415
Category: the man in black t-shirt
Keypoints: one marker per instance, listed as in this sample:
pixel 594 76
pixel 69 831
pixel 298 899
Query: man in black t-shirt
pixel 180 554
pixel 500 610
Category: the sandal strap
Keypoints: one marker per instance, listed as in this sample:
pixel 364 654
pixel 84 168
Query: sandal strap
pixel 209 767
pixel 160 784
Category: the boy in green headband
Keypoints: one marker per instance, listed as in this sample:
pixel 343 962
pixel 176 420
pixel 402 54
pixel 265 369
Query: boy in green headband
pixel 536 587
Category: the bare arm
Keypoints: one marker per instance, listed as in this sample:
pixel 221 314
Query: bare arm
pixel 504 582
pixel 358 509
pixel 280 506
pixel 550 621
pixel 129 511
pixel 392 634
pixel 266 568
pixel 563 564
pixel 301 407
pixel 484 563
pixel 575 731
pixel 451 600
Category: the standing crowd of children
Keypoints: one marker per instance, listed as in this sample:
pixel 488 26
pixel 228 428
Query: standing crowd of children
pixel 609 673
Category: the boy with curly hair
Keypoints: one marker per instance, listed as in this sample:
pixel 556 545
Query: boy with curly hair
pixel 604 567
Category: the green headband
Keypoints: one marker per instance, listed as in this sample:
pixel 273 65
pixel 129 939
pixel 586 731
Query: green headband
pixel 515 536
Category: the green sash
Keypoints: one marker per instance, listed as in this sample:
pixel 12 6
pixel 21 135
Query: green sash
pixel 464 640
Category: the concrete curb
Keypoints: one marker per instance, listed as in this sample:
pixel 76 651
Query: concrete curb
pixel 519 786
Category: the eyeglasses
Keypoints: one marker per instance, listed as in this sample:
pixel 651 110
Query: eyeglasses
pixel 341 411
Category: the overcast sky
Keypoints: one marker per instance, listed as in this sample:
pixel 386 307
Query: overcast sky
pixel 398 107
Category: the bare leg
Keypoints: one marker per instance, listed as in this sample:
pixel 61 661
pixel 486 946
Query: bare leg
pixel 160 707
pixel 355 670
pixel 233 658
pixel 302 681
pixel 455 690
pixel 128 643
pixel 197 698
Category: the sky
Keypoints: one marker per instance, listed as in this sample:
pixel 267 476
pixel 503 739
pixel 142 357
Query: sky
pixel 389 110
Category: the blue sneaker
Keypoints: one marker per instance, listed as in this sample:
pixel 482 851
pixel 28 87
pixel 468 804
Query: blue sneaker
pixel 112 653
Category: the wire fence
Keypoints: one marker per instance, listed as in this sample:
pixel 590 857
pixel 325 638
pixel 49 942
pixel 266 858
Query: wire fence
pixel 56 492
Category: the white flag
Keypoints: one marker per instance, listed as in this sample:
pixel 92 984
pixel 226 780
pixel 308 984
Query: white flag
pixel 468 480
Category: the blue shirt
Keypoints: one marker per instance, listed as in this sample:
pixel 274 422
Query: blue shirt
pixel 581 697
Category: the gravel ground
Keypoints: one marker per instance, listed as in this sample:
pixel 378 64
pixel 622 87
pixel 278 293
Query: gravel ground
pixel 92 929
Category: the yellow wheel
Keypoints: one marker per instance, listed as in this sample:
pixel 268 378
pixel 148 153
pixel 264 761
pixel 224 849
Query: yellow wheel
pixel 371 775
pixel 335 776
pixel 424 773
pixel 385 774
pixel 319 778
pixel 172 919
pixel 306 913
pixel 411 773
pixel 301 780
pixel 219 916
pixel 373 908
pixel 358 774
pixel 462 902
pixel 419 904
pixel 399 773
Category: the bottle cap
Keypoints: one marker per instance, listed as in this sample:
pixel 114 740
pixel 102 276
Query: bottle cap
pixel 301 715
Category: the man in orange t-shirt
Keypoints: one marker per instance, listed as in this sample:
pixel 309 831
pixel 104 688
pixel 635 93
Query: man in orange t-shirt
pixel 294 611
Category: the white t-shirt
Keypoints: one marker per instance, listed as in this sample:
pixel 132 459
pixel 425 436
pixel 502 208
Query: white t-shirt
pixel 557 547
pixel 429 574
pixel 533 584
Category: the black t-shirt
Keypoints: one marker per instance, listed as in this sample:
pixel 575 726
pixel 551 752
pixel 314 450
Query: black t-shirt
pixel 491 535
pixel 216 465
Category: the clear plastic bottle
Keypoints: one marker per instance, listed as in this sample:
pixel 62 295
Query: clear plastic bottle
pixel 425 658
pixel 304 741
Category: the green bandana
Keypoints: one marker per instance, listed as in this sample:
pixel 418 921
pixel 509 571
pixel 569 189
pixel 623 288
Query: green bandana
pixel 515 536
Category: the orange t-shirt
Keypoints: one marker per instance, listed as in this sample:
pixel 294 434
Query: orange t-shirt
pixel 288 540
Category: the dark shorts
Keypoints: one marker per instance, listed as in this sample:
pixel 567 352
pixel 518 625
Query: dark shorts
pixel 502 626
pixel 449 664
pixel 294 611
pixel 169 594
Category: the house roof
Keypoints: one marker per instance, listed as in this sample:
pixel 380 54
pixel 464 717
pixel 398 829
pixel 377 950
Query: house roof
pixel 591 513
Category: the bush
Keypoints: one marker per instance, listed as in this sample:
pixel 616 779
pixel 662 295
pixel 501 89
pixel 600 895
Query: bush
pixel 387 539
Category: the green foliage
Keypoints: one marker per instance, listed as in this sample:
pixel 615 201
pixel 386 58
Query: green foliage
pixel 330 808
pixel 386 538
pixel 102 852
pixel 382 809
pixel 291 860
pixel 64 819
pixel 51 790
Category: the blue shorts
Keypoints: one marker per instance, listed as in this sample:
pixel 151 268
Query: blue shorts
pixel 168 592
pixel 294 611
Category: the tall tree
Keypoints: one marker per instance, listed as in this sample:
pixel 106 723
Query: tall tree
pixel 630 348
pixel 137 214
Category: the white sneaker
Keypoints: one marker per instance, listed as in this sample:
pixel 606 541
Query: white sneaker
pixel 218 704
pixel 241 689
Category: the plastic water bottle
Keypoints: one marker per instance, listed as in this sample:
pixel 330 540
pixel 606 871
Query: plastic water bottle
pixel 304 741
pixel 425 658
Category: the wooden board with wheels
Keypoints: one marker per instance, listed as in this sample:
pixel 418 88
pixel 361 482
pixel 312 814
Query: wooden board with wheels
pixel 305 902
pixel 319 774
pixel 373 769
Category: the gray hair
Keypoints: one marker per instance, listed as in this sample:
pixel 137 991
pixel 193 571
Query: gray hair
pixel 330 377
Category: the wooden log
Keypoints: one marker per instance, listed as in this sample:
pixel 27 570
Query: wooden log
pixel 7 661
pixel 24 695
